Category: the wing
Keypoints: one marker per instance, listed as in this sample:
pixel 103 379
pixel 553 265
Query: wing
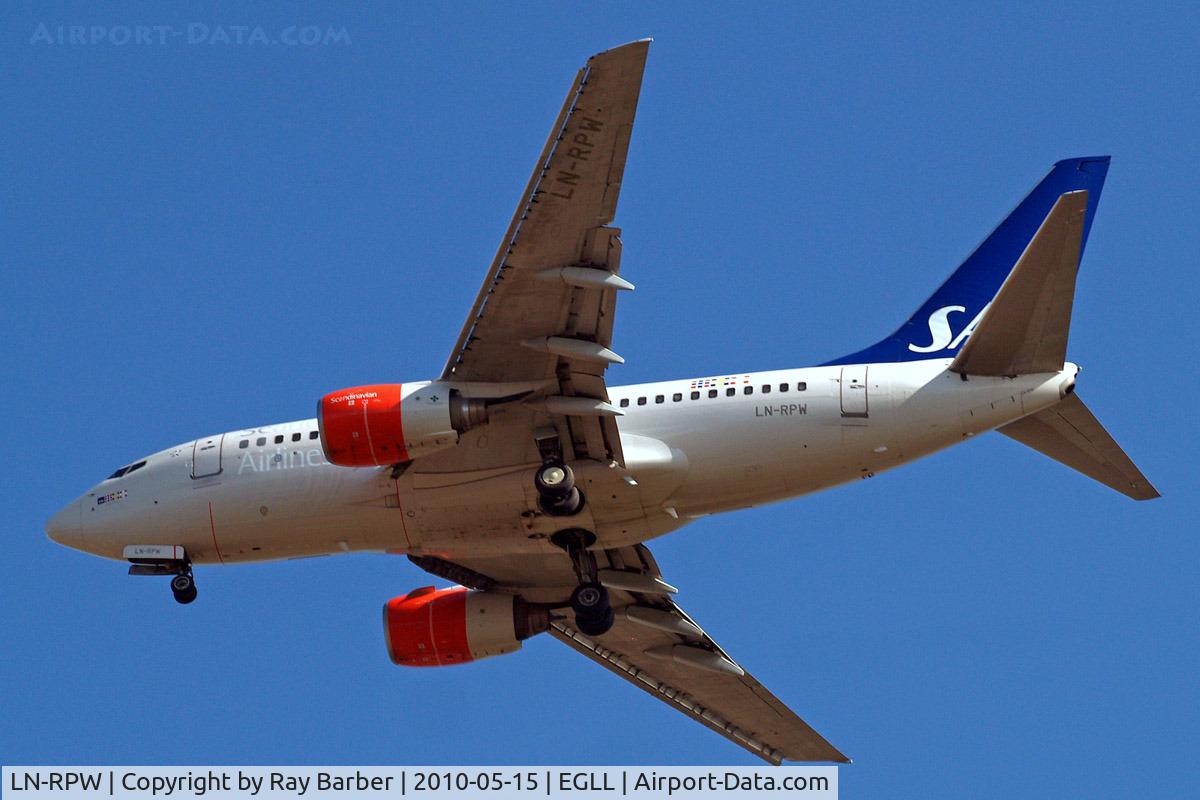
pixel 544 314
pixel 655 646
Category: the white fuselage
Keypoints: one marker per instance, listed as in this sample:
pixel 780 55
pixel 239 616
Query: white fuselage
pixel 269 493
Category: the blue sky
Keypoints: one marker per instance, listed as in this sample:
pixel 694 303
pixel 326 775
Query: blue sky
pixel 201 237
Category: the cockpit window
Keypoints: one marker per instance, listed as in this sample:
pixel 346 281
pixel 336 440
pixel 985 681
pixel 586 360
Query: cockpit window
pixel 126 470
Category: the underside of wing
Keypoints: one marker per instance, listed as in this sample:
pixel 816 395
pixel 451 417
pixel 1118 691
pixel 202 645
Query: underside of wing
pixel 543 318
pixel 559 224
pixel 655 646
pixel 692 674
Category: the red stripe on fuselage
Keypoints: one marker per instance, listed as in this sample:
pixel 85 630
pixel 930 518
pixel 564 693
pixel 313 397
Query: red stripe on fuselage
pixel 212 525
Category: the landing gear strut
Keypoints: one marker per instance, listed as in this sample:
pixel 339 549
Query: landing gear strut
pixel 590 602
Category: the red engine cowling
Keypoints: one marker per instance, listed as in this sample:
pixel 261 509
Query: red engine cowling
pixel 437 627
pixel 370 426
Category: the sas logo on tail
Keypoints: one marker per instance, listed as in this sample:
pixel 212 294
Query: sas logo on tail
pixel 941 335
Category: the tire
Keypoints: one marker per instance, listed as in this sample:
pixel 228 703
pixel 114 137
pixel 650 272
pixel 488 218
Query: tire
pixel 185 597
pixel 590 600
pixel 595 625
pixel 554 480
pixel 564 506
pixel 182 584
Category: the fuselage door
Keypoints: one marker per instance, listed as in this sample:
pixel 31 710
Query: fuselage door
pixel 854 390
pixel 206 457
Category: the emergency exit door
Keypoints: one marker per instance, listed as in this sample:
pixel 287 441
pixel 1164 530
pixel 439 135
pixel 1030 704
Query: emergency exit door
pixel 206 457
pixel 854 391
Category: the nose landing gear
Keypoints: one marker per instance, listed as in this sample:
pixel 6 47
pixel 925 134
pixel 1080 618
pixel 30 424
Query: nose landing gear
pixel 183 586
pixel 155 559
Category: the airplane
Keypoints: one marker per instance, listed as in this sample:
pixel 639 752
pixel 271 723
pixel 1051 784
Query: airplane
pixel 519 476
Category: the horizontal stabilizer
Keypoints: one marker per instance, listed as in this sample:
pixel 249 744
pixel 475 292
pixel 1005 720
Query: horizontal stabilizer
pixel 1024 329
pixel 1069 433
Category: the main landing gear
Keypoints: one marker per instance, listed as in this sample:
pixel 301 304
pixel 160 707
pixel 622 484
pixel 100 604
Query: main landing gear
pixel 557 494
pixel 590 602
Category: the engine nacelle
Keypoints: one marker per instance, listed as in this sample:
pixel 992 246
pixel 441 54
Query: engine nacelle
pixel 436 627
pixel 372 426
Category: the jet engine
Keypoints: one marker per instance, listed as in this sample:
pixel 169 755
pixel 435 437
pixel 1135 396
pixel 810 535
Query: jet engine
pixel 372 426
pixel 436 627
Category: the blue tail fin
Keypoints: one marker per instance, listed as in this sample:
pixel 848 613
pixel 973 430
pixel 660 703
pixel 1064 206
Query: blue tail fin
pixel 942 324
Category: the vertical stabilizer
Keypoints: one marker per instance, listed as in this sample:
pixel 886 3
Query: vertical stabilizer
pixel 941 326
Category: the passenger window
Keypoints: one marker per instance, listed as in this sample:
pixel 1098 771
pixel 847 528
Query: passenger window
pixel 624 402
pixel 659 398
pixel 641 401
pixel 313 434
pixel 261 441
pixel 295 437
pixel 279 439
pixel 712 392
pixel 801 386
pixel 695 395
pixel 783 387
pixel 676 397
pixel 243 444
pixel 748 390
pixel 766 389
pixel 730 392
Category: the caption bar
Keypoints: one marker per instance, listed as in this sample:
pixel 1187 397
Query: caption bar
pixel 328 783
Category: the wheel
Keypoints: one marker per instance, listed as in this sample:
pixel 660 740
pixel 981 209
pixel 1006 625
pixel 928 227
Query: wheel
pixel 595 625
pixel 184 588
pixel 554 480
pixel 183 598
pixel 589 600
pixel 564 506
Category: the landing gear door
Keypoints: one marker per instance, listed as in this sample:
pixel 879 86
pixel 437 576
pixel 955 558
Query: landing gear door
pixel 854 390
pixel 206 457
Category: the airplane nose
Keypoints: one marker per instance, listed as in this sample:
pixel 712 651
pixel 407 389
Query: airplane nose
pixel 65 527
